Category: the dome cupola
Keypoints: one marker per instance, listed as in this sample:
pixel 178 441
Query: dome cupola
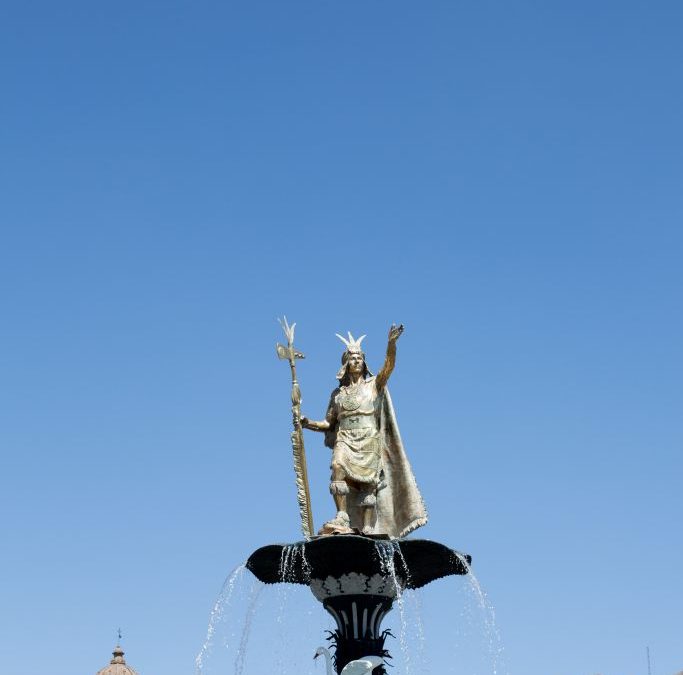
pixel 117 665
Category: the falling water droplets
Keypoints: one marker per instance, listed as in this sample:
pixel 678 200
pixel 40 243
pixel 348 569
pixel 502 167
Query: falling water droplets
pixel 293 566
pixel 418 624
pixel 387 552
pixel 494 642
pixel 246 630
pixel 249 614
pixel 217 614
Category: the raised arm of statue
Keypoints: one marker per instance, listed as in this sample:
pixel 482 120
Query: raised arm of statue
pixel 390 360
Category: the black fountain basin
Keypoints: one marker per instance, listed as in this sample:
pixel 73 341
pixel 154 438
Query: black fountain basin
pixel 416 561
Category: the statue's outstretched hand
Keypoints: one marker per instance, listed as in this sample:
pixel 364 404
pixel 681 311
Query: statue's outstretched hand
pixel 395 332
pixel 303 421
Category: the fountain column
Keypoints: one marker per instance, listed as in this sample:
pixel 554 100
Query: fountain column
pixel 358 603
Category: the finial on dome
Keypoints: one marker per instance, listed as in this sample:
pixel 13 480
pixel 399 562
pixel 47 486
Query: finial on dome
pixel 117 655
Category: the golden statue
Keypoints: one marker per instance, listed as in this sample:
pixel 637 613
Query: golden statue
pixel 372 482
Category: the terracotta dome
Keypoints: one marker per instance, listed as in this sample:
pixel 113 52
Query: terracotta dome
pixel 117 665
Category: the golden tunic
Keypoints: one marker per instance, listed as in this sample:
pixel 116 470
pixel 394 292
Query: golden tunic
pixel 357 447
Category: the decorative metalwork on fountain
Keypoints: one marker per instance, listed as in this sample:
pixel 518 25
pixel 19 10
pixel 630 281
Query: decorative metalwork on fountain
pixel 356 584
pixel 358 616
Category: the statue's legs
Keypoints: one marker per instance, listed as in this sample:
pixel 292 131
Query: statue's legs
pixel 355 500
pixel 368 505
pixel 339 488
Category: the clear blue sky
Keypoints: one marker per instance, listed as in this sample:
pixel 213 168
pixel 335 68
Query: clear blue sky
pixel 505 178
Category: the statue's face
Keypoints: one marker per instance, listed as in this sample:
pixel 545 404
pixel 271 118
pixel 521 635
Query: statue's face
pixel 355 363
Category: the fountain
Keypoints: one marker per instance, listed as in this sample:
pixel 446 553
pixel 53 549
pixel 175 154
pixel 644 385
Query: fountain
pixel 360 562
pixel 357 578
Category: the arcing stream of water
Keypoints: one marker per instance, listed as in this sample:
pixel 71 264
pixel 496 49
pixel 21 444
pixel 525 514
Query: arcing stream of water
pixel 488 612
pixel 246 629
pixel 217 614
pixel 386 551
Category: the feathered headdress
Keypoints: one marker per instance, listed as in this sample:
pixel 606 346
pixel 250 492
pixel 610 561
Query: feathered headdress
pixel 352 347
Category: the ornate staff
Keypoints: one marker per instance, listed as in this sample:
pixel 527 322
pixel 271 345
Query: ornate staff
pixel 303 493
